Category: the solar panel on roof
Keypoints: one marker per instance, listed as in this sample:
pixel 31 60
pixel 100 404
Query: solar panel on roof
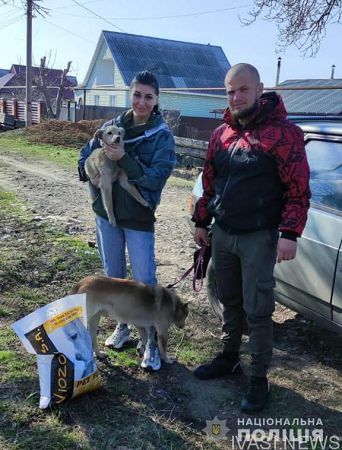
pixel 189 64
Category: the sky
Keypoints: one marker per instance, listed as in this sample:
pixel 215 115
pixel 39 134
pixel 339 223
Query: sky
pixel 70 32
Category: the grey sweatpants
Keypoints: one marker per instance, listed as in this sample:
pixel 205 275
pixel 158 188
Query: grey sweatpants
pixel 244 267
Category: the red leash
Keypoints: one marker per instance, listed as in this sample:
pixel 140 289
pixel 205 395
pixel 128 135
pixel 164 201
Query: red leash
pixel 197 280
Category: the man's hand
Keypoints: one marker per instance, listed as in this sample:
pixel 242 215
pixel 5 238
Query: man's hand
pixel 201 237
pixel 286 250
pixel 114 152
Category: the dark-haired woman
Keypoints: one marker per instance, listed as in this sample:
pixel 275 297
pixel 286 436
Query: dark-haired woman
pixel 148 158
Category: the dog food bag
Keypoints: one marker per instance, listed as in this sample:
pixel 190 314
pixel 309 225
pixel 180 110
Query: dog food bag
pixel 57 334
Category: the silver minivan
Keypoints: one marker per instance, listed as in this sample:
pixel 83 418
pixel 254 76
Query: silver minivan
pixel 312 283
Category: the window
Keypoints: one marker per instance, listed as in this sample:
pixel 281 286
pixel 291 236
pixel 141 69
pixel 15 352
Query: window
pixel 112 100
pixel 325 160
pixel 96 100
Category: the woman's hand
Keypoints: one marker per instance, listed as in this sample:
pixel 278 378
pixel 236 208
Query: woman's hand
pixel 95 181
pixel 114 152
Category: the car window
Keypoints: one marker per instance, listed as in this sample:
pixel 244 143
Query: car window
pixel 325 160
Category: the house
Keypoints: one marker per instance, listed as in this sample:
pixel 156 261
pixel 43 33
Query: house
pixel 312 101
pixel 177 65
pixel 3 72
pixel 12 84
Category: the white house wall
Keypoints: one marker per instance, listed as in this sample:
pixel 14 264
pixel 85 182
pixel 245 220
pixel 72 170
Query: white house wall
pixel 102 73
pixel 192 104
pixel 105 74
pixel 187 104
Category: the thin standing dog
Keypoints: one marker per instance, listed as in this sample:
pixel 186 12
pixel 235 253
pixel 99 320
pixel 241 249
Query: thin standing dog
pixel 129 301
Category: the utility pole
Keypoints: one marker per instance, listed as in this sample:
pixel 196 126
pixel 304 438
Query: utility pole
pixel 278 71
pixel 29 63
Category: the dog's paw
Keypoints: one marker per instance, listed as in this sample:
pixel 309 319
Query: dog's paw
pixel 170 359
pixel 100 354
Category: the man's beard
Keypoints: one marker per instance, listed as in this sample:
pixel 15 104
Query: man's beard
pixel 248 112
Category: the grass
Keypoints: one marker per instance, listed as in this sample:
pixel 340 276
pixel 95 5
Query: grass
pixel 57 154
pixel 180 182
pixel 160 411
pixel 38 264
pixel 63 156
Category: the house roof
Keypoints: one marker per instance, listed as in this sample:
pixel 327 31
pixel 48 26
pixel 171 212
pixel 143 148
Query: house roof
pixel 315 101
pixel 17 77
pixel 3 72
pixel 176 64
pixel 72 79
pixel 5 79
pixel 52 76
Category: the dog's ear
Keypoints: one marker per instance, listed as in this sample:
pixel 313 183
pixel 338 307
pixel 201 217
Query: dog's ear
pixel 98 133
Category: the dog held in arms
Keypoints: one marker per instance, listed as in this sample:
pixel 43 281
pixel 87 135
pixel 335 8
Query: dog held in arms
pixel 129 301
pixel 98 162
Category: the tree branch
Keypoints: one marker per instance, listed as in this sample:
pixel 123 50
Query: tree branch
pixel 301 23
pixel 42 71
pixel 61 90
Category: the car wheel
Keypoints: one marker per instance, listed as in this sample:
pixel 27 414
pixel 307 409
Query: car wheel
pixel 212 291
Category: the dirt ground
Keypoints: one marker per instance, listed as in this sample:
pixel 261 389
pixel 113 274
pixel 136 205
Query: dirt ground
pixel 306 373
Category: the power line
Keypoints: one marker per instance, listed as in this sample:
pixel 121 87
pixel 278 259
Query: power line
pixel 9 15
pixel 70 32
pixel 85 3
pixel 199 13
pixel 97 15
pixel 11 21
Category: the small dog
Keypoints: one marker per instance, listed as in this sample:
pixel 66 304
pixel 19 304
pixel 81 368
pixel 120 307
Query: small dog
pixel 129 301
pixel 98 162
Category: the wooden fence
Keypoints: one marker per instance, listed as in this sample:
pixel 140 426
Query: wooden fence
pixel 17 109
pixel 199 128
pixel 93 112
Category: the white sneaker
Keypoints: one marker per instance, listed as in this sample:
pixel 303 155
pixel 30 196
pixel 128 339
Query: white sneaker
pixel 120 336
pixel 151 359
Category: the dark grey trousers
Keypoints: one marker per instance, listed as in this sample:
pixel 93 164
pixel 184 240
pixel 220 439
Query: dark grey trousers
pixel 244 267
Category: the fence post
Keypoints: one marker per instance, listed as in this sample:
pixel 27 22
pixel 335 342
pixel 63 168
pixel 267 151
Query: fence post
pixel 15 108
pixel 39 111
pixel 2 105
pixel 84 103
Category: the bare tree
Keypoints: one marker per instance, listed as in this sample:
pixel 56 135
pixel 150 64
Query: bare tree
pixel 61 90
pixel 36 7
pixel 53 105
pixel 301 23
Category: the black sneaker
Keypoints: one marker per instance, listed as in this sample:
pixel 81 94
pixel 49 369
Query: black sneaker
pixel 220 366
pixel 257 395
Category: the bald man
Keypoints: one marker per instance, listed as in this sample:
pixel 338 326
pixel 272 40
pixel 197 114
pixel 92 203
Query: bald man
pixel 256 187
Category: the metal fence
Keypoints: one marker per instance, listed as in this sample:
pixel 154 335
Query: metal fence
pixel 17 109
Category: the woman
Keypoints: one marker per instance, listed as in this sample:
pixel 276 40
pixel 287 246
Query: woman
pixel 148 158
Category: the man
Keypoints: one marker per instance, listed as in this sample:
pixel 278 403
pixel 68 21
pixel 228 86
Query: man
pixel 255 185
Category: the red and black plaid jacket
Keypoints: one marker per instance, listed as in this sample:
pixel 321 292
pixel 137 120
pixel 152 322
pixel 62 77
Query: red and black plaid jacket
pixel 265 184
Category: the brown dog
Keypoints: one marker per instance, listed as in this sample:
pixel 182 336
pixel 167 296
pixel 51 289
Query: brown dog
pixel 132 302
pixel 98 162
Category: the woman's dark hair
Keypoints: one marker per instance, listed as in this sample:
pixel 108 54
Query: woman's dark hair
pixel 146 77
